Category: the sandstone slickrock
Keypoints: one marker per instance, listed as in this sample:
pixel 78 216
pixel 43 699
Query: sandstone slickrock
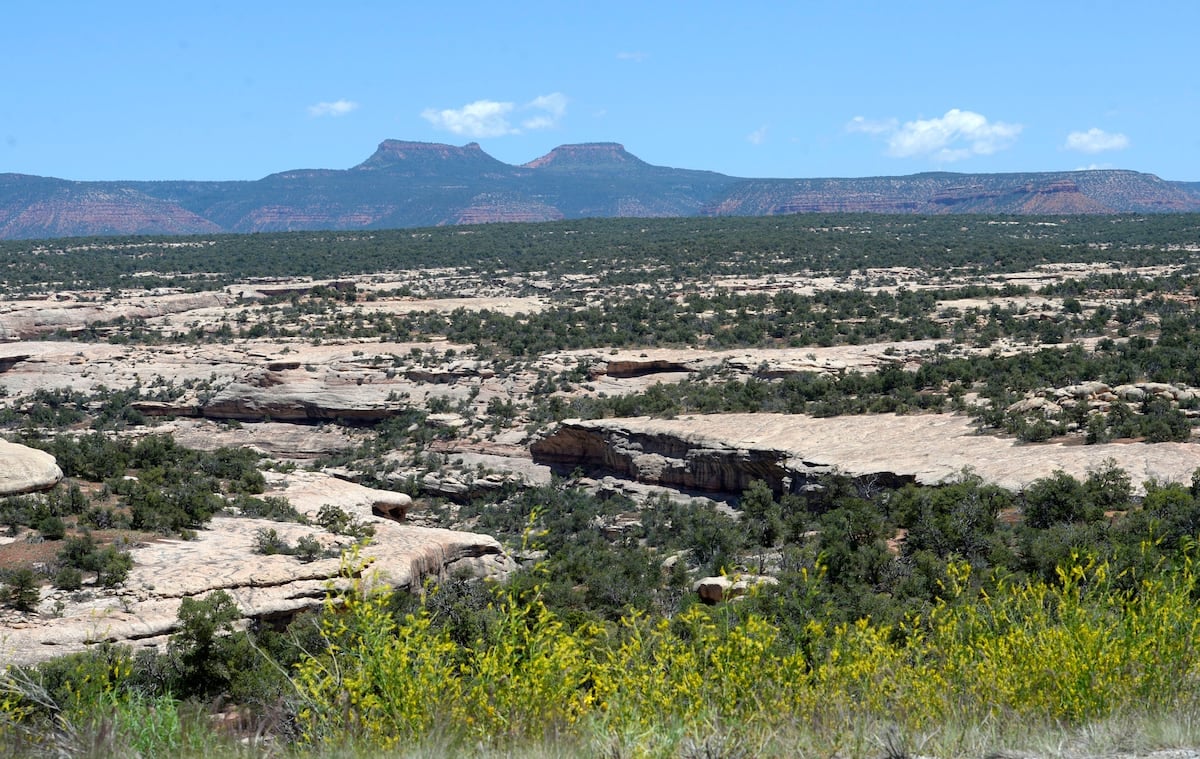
pixel 762 363
pixel 143 612
pixel 401 555
pixel 726 452
pixel 26 319
pixel 26 470
pixel 245 381
pixel 296 442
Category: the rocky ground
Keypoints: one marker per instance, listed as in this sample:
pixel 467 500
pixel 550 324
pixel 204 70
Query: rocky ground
pixel 142 612
pixel 307 404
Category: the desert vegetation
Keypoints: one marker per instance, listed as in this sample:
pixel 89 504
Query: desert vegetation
pixel 186 385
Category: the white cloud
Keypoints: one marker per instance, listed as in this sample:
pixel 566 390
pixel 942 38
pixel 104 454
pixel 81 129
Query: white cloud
pixel 490 118
pixel 628 55
pixel 483 118
pixel 335 108
pixel 1096 141
pixel 868 126
pixel 955 136
pixel 758 136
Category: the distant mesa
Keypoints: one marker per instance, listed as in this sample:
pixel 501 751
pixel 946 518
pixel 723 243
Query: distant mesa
pixel 392 152
pixel 587 155
pixel 418 184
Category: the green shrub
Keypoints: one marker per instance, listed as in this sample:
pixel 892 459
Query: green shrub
pixel 308 549
pixel 68 578
pixel 337 520
pixel 273 507
pixel 268 542
pixel 52 527
pixel 1057 499
pixel 20 589
pixel 207 650
pixel 112 566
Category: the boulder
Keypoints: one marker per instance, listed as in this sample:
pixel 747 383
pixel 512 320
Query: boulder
pixel 394 506
pixel 1046 406
pixel 726 588
pixel 26 470
pixel 1129 393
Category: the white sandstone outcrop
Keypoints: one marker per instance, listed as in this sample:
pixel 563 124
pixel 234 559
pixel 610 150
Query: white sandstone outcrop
pixel 142 612
pixel 26 470
pixel 726 452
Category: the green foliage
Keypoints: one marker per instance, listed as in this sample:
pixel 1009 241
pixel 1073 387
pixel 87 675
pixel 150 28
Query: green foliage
pixel 308 549
pixel 68 578
pixel 268 542
pixel 618 250
pixel 958 520
pixel 973 621
pixel 175 489
pixel 20 589
pixel 110 563
pixel 273 507
pixel 51 527
pixel 337 520
pixel 112 566
pixel 1070 651
pixel 207 651
pixel 1058 499
pixel 762 515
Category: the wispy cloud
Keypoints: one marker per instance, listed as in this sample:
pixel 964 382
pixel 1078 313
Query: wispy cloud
pixel 335 108
pixel 868 126
pixel 956 135
pixel 630 55
pixel 758 136
pixel 491 118
pixel 552 108
pixel 1096 141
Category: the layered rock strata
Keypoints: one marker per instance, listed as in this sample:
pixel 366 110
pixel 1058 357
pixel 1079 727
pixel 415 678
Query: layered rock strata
pixel 726 452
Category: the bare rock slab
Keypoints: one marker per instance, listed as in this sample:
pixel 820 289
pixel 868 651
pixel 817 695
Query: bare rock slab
pixel 726 452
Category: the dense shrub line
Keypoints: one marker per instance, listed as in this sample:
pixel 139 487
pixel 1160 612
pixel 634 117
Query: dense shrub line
pixel 618 251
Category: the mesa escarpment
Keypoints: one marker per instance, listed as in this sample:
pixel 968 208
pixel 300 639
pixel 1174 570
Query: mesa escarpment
pixel 32 207
pixel 411 184
pixel 1030 193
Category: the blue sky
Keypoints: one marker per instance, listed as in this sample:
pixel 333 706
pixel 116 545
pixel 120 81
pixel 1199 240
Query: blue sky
pixel 238 90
